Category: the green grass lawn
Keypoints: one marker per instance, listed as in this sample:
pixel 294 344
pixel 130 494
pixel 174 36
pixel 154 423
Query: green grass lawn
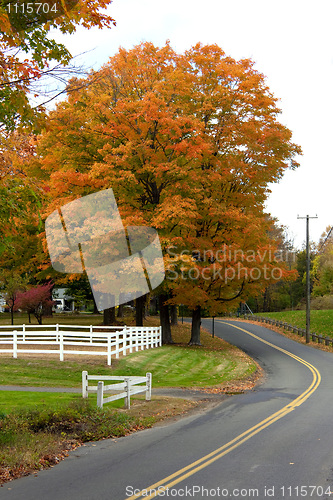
pixel 39 372
pixel 171 366
pixel 179 365
pixel 321 320
pixel 64 318
pixel 174 366
pixel 14 400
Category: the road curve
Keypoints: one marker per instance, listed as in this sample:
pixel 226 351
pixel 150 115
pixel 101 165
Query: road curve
pixel 273 442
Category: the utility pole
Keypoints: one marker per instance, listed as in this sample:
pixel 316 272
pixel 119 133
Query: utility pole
pixel 308 291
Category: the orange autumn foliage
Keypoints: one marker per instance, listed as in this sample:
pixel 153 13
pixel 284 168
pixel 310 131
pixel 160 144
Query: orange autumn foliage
pixel 189 144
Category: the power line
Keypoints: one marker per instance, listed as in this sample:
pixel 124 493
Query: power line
pixel 328 234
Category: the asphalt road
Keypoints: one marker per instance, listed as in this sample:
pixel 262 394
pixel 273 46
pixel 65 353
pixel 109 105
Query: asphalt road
pixel 273 442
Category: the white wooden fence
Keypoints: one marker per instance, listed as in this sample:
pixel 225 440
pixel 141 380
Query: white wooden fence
pixel 129 386
pixel 77 340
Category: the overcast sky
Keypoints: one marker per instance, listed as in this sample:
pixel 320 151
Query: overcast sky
pixel 291 44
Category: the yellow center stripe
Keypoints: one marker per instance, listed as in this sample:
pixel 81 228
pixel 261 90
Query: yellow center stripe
pixel 203 462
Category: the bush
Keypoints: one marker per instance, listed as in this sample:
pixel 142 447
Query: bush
pixel 324 302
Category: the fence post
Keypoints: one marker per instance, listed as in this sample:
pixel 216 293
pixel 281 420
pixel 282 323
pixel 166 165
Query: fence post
pixel 128 392
pixel 57 333
pixel 109 349
pixel 148 391
pixel 23 333
pixel 142 342
pixel 61 345
pixel 327 341
pixel 136 341
pixel 117 334
pixel 131 342
pixel 15 344
pixel 139 341
pixel 84 384
pixel 100 390
pixel 125 340
pixel 91 331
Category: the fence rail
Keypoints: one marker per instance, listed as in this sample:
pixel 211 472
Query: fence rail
pixel 77 340
pixel 128 385
pixel 315 337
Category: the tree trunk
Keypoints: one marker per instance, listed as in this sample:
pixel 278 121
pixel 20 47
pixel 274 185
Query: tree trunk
pixel 12 314
pixel 165 320
pixel 154 306
pixel 96 311
pixel 174 314
pixel 109 316
pixel 39 318
pixel 47 311
pixel 265 306
pixel 120 313
pixel 139 309
pixel 195 328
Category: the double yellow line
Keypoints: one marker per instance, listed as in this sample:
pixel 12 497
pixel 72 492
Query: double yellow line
pixel 203 462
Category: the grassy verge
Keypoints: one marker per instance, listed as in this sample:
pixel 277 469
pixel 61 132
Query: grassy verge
pixel 11 401
pixel 321 320
pixel 38 429
pixel 34 439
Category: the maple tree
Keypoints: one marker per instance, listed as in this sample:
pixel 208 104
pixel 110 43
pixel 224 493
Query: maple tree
pixel 35 300
pixel 189 144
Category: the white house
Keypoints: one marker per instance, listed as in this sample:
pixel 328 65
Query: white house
pixel 63 302
pixel 2 304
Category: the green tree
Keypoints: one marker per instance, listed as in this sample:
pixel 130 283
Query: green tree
pixel 79 288
pixel 11 285
pixel 322 271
